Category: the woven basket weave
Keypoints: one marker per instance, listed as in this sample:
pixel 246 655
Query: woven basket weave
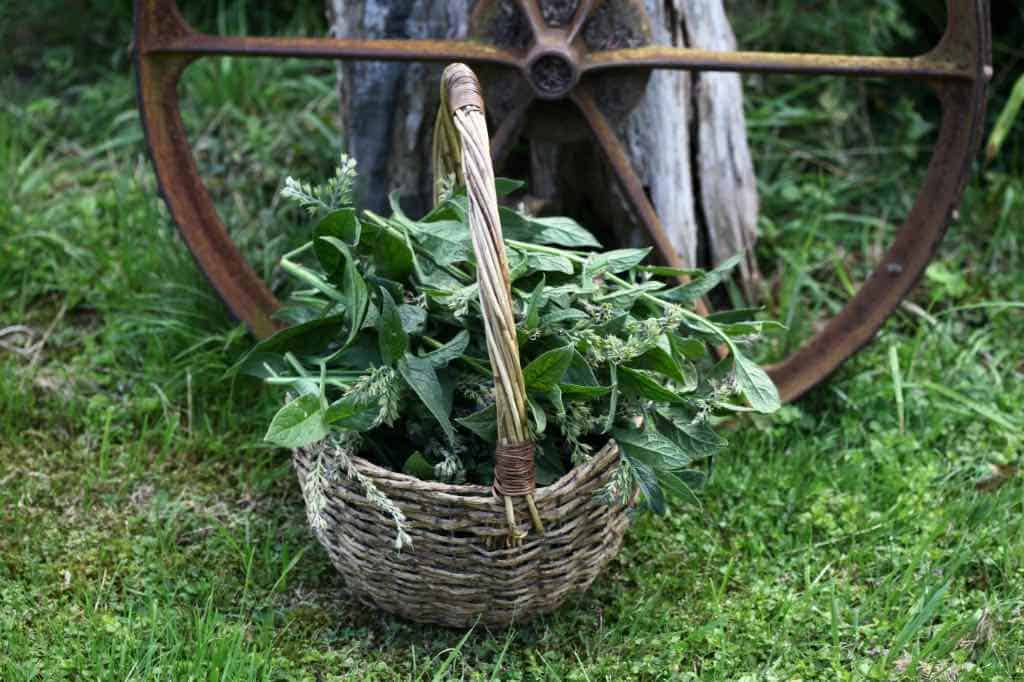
pixel 473 557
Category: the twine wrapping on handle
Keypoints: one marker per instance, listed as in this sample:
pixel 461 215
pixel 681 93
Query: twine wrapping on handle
pixel 462 147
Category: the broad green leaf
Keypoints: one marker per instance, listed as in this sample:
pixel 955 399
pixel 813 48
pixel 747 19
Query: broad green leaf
pixel 342 225
pixel 548 262
pixel 562 231
pixel 676 486
pixel 351 414
pixel 302 339
pixel 548 369
pixel 394 341
pixel 433 276
pixel 660 360
pixel 555 397
pixel 688 347
pixel 506 186
pixel 421 377
pixel 697 438
pixel 297 424
pixel 614 261
pixel 447 241
pixel 647 481
pixel 391 254
pixel 585 392
pixel 703 284
pixel 452 350
pixel 362 353
pixel 569 314
pixel 634 381
pixel 652 448
pixel 417 465
pixel 559 231
pixel 518 264
pixel 414 319
pixel 540 419
pixel 357 296
pixel 483 423
pixel 754 383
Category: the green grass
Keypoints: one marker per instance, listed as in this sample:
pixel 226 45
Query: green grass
pixel 145 533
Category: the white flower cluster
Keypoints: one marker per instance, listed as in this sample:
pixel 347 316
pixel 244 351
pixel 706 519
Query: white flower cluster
pixel 330 196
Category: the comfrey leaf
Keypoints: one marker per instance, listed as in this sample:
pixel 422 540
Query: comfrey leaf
pixel 540 418
pixel 357 296
pixel 660 360
pixel 548 369
pixel 417 465
pixel 694 437
pixel 302 339
pixel 342 225
pixel 394 341
pixel 421 377
pixel 534 305
pixel 505 186
pixel 647 481
pixel 559 231
pixel 447 241
pixel 652 448
pixel 702 285
pixel 548 262
pixel 614 261
pixel 638 383
pixel 680 484
pixel 351 414
pixel 754 383
pixel 298 424
pixel 391 252
pixel 452 350
pixel 483 423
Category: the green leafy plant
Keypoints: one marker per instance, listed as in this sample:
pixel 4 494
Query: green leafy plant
pixel 386 353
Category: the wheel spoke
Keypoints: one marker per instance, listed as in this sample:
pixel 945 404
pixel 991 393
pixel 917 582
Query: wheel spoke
pixel 531 8
pixel 583 12
pixel 692 59
pixel 199 44
pixel 615 153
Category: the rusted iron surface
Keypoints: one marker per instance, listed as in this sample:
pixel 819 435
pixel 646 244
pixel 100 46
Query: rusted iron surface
pixel 554 62
pixel 199 44
pixel 967 42
pixel 692 59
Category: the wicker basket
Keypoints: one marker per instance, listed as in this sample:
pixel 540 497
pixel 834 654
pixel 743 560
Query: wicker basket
pixel 473 557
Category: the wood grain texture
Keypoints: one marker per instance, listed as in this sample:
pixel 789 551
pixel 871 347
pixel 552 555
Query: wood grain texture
pixel 387 109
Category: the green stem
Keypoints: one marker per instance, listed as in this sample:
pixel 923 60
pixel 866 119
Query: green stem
pixel 302 249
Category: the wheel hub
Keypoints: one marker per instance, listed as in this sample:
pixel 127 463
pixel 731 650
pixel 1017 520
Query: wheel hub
pixel 552 74
pixel 552 67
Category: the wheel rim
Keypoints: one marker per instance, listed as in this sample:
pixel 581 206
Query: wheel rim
pixel 557 65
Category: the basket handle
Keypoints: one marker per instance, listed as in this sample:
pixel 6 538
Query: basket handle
pixel 462 146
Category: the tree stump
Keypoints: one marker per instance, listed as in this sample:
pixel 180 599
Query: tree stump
pixel 686 137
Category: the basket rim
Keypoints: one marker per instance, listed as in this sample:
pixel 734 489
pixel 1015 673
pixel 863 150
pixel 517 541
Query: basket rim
pixel 398 479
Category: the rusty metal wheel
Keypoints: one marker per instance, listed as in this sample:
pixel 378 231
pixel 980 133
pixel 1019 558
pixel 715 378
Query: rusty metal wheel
pixel 547 46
